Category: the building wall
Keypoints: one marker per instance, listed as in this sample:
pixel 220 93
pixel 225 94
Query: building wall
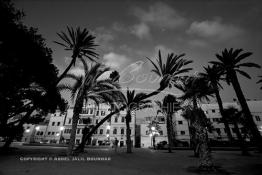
pixel 107 132
pixel 213 114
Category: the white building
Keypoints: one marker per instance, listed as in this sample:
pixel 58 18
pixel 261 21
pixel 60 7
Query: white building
pixel 107 132
pixel 213 114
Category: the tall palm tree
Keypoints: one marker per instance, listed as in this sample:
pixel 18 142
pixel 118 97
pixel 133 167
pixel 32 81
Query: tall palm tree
pixel 168 71
pixel 213 76
pixel 197 89
pixel 260 81
pixel 133 102
pixel 234 116
pixel 168 107
pixel 231 62
pixel 88 87
pixel 80 42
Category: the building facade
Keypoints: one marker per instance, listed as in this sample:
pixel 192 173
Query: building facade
pixel 213 114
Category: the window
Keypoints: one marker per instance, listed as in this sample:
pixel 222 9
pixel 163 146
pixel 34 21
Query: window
pixel 69 121
pixel 97 113
pixel 103 113
pixel 77 131
pixel 182 132
pixel 53 133
pixel 53 123
pixel 58 123
pixel 257 118
pixel 107 131
pixel 213 111
pixel 115 131
pixel 122 131
pixel 80 121
pixel 216 119
pixel 160 132
pixel 180 122
pixel 162 119
pixel 48 133
pixel 91 111
pixel 101 131
pixel 123 119
pixel 116 119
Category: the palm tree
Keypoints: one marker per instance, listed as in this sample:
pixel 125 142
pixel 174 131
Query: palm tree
pixel 88 87
pixel 133 102
pixel 168 107
pixel 234 116
pixel 231 62
pixel 168 72
pixel 197 89
pixel 80 42
pixel 260 81
pixel 213 76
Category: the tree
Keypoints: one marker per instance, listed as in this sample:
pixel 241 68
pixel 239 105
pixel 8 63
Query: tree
pixel 231 62
pixel 171 70
pixel 88 87
pixel 168 107
pixel 197 89
pixel 234 116
pixel 213 76
pixel 26 73
pixel 260 81
pixel 80 42
pixel 133 102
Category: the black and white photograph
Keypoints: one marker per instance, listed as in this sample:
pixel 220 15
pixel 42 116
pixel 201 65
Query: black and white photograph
pixel 130 87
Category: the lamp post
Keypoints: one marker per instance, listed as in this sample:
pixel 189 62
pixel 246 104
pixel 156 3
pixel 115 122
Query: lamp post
pixel 62 128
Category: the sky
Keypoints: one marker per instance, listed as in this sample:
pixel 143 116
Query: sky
pixel 128 31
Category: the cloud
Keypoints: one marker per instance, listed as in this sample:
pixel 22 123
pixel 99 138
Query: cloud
pixel 197 43
pixel 141 31
pixel 160 15
pixel 213 29
pixel 114 60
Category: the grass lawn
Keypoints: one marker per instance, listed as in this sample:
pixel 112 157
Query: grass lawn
pixel 141 161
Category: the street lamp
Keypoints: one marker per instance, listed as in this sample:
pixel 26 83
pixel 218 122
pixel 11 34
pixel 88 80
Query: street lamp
pixel 62 128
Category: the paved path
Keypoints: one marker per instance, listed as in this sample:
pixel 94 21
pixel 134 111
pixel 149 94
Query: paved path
pixel 141 161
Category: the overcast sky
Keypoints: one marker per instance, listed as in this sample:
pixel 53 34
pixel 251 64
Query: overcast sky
pixel 129 31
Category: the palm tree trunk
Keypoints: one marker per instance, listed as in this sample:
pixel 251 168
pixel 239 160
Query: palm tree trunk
pixel 224 119
pixel 243 145
pixel 77 110
pixel 67 69
pixel 169 133
pixel 247 114
pixel 128 133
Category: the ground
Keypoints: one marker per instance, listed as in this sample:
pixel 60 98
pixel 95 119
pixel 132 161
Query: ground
pixel 141 161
